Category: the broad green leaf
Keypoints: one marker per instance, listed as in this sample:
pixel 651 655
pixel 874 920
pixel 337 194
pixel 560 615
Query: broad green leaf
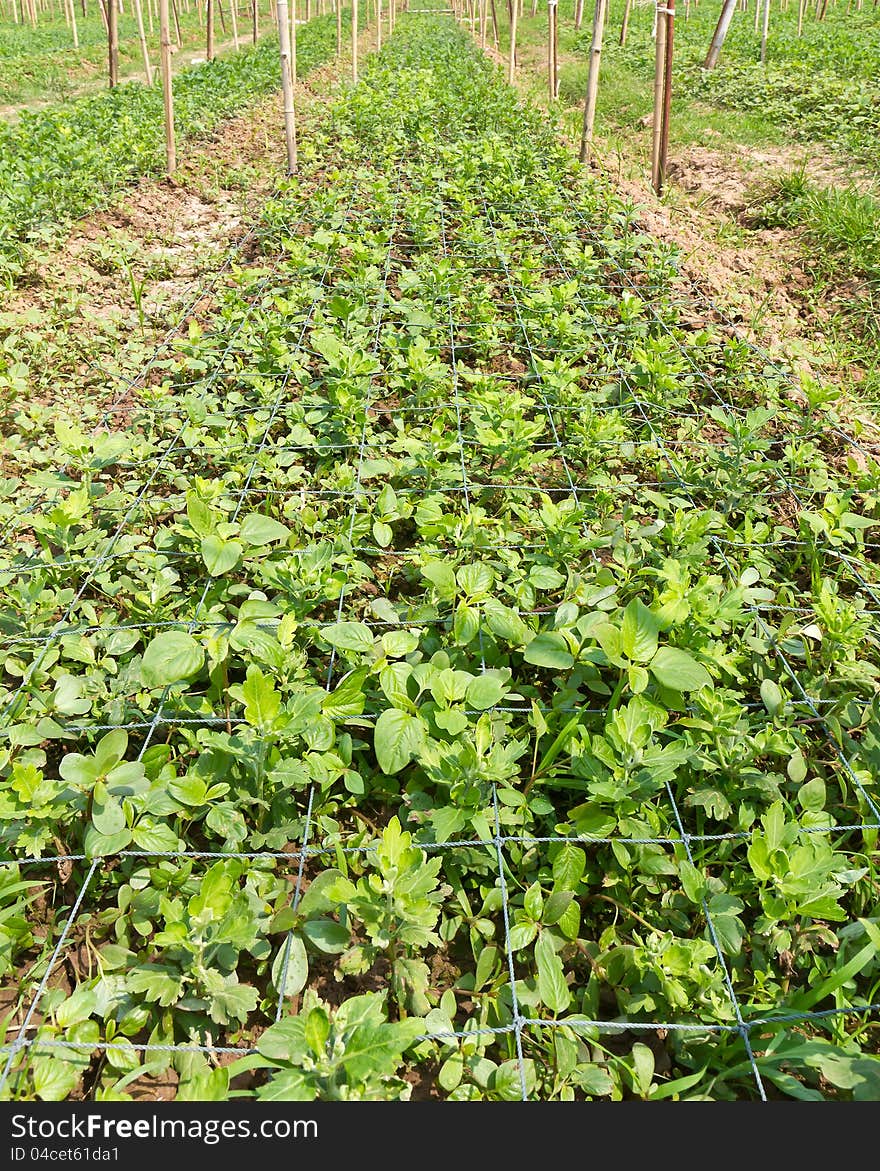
pixel 549 649
pixel 317 1030
pixel 638 632
pixel 257 529
pixel 220 556
pixel 170 657
pixel 398 737
pixel 349 636
pixel 485 691
pixel 552 987
pixel 772 696
pixel 676 670
pixel 291 953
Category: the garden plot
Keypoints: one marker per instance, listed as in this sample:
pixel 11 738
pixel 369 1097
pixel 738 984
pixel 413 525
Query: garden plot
pixel 456 658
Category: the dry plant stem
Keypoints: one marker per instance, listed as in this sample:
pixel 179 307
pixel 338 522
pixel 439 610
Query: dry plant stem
pixel 593 79
pixel 167 93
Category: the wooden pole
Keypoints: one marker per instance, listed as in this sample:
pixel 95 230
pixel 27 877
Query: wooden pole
pixel 659 66
pixel 233 5
pixel 167 94
pixel 113 41
pixel 553 19
pixel 578 13
pixel 354 41
pixel 209 30
pixel 667 94
pixel 177 35
pixel 593 79
pixel 222 17
pixel 145 53
pixel 378 25
pixel 718 37
pixel 293 49
pixel 255 6
pixel 624 24
pixel 73 27
pixel 511 64
pixel 338 27
pixel 801 6
pixel 287 85
pixel 764 31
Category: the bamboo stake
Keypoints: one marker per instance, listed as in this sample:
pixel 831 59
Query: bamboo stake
pixel 113 42
pixel 578 13
pixel 209 29
pixel 764 31
pixel 338 27
pixel 73 27
pixel 659 65
pixel 287 85
pixel 103 11
pixel 718 37
pixel 624 24
pixel 145 53
pixel 511 64
pixel 167 95
pixel 593 79
pixel 222 17
pixel 354 41
pixel 667 94
pixel 293 42
pixel 554 45
pixel 234 17
pixel 150 16
pixel 378 25
pixel 177 35
pixel 256 15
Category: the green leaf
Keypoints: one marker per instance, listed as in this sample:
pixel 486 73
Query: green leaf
pixel 317 1030
pixel 568 867
pixel 349 636
pixel 220 556
pixel 638 632
pixel 485 691
pixel 297 971
pixel 170 657
pixel 257 529
pixel 54 1080
pixel 552 987
pixel 327 936
pixel 507 1080
pixel 398 737
pixel 549 649
pixel 262 703
pixel 108 816
pixel 772 697
pixel 676 670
